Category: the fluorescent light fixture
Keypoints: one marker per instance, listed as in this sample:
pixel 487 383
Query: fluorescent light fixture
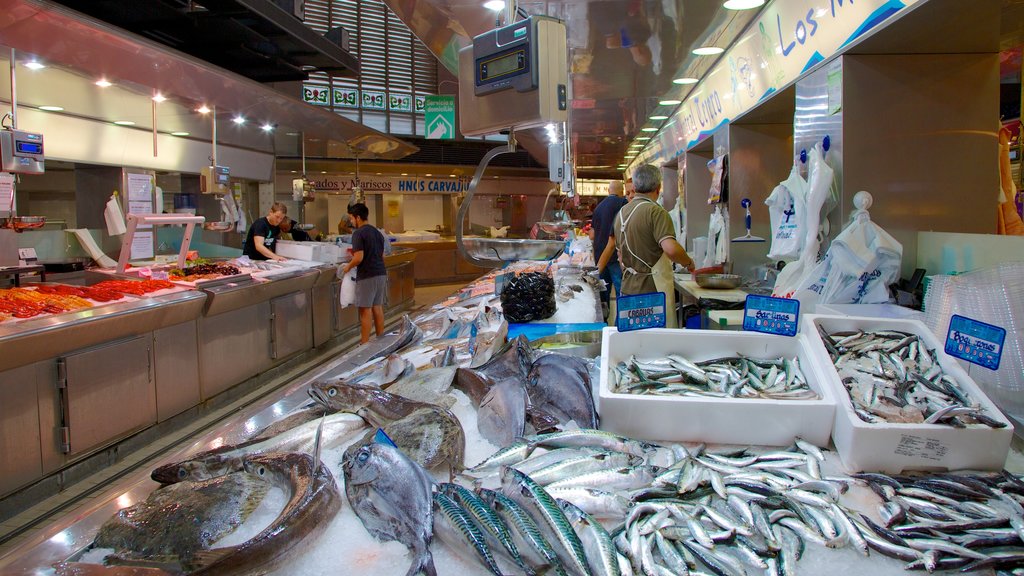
pixel 124 123
pixel 451 175
pixel 648 129
pixel 179 133
pixel 238 120
pixel 203 109
pixel 291 134
pixel 267 127
pixel 742 4
pixel 51 108
pixel 669 102
pixel 685 80
pixel 658 117
pixel 428 174
pixel 495 5
pixel 103 83
pixel 708 50
pixel 33 65
pixel 158 98
pixel 405 173
pixel 643 137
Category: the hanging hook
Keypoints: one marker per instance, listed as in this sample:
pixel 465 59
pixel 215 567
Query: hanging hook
pixel 803 156
pixel 826 143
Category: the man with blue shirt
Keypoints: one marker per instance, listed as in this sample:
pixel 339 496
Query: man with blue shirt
pixel 601 223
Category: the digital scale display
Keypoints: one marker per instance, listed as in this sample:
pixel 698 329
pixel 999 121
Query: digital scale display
pixel 34 148
pixel 504 65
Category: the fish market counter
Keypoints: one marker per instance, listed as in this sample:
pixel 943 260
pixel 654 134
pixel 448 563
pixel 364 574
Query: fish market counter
pixel 155 356
pixel 438 262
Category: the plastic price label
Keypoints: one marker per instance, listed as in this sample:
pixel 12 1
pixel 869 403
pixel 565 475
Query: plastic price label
pixel 640 311
pixel 976 342
pixel 771 315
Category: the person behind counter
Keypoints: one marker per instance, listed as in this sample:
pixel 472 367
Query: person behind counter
pixel 371 274
pixel 261 241
pixel 644 232
pixel 290 231
pixel 602 220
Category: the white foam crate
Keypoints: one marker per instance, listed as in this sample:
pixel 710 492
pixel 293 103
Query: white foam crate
pixel 750 421
pixel 898 447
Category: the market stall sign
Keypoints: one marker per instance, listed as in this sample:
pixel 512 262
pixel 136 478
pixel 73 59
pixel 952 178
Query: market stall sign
pixel 976 342
pixel 771 315
pixel 440 117
pixel 641 311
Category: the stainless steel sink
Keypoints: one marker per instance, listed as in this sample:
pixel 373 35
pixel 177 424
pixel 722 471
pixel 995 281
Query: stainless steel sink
pixel 508 249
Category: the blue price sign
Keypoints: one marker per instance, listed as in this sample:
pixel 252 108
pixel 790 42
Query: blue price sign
pixel 771 315
pixel 499 283
pixel 641 311
pixel 977 342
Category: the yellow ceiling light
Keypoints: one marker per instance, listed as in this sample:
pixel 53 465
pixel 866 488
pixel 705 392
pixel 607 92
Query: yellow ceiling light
pixel 203 109
pixel 159 98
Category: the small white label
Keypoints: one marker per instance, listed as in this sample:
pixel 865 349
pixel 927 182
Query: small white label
pixel 27 253
pixel 920 447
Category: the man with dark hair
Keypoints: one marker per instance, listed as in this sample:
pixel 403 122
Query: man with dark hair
pixel 371 274
pixel 643 231
pixel 290 231
pixel 604 215
pixel 261 241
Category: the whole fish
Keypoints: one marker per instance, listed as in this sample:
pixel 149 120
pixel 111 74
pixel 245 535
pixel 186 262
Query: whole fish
pixel 892 376
pixel 455 527
pixel 533 548
pixel 408 333
pixel 391 494
pixel 176 521
pixel 335 429
pixel 313 502
pixel 558 385
pixel 501 417
pixel 552 521
pixel 429 434
pixel 429 385
pixel 382 372
pixel 511 362
pixel 597 544
pixel 474 383
pixel 496 533
pixel 728 377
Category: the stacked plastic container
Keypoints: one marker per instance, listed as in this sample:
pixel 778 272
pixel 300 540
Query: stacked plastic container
pixel 995 296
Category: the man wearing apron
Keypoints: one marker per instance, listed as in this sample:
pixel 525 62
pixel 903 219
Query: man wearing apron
pixel 644 234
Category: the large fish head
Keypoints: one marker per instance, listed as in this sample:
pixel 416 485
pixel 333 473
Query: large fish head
pixel 197 470
pixel 274 468
pixel 339 396
pixel 365 464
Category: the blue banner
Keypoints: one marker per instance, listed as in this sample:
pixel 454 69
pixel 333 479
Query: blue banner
pixel 640 311
pixel 976 342
pixel 771 315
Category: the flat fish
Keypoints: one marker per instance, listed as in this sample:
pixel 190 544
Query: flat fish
pixel 391 495
pixel 176 521
pixel 429 434
pixel 430 385
pixel 560 387
pixel 511 362
pixel 501 417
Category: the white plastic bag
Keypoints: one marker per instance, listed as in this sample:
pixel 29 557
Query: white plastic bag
pixel 347 294
pixel 860 265
pixel 786 210
pixel 802 272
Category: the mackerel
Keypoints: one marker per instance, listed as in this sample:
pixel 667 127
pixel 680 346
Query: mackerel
pixel 455 527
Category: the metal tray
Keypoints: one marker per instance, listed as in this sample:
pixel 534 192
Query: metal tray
pixel 508 249
pixel 719 281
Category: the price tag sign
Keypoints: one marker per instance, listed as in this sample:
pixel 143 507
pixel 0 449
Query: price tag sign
pixel 771 315
pixel 640 311
pixel 499 283
pixel 977 342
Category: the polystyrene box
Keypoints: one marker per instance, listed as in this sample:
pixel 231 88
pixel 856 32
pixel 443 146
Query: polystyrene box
pixel 895 447
pixel 309 251
pixel 757 422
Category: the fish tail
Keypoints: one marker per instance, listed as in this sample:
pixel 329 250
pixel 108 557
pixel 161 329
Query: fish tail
pixel 424 565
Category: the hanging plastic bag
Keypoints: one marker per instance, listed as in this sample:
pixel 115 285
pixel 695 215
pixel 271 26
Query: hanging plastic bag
pixel 347 293
pixel 715 228
pixel 819 183
pixel 786 210
pixel 860 265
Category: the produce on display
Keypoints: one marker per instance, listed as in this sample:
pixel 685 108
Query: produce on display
pixel 528 296
pixel 892 376
pixel 727 377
